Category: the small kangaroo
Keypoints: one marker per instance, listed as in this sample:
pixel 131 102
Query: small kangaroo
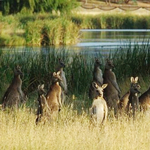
pixel 41 102
pixel 97 77
pixel 112 92
pixel 99 110
pixel 144 100
pixel 53 97
pixel 130 96
pixel 63 82
pixel 14 94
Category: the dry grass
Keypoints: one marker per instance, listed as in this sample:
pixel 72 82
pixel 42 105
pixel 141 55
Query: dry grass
pixel 71 132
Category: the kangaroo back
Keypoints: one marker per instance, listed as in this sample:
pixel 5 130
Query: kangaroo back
pixel 97 73
pixel 63 82
pixel 112 92
pixel 144 100
pixel 97 77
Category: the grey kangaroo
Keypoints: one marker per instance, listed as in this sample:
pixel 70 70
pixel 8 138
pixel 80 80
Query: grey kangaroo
pixel 97 77
pixel 14 95
pixel 130 98
pixel 144 101
pixel 133 97
pixel 41 102
pixel 99 110
pixel 112 92
pixel 63 82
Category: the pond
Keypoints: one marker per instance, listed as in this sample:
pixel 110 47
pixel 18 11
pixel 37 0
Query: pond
pixel 104 41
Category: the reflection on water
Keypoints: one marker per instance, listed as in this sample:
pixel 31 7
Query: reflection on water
pixel 102 41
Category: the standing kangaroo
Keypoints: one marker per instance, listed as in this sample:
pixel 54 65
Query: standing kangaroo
pixel 133 97
pixel 41 102
pixel 14 94
pixel 130 97
pixel 63 82
pixel 144 100
pixel 97 77
pixel 99 109
pixel 53 97
pixel 112 92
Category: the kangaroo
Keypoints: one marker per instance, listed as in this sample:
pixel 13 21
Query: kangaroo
pixel 53 97
pixel 63 82
pixel 144 100
pixel 112 92
pixel 97 77
pixel 41 102
pixel 125 101
pixel 133 97
pixel 14 94
pixel 99 109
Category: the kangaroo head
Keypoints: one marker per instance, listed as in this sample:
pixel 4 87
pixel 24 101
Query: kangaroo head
pixel 61 63
pixel 134 85
pixel 97 63
pixel 109 64
pixel 17 71
pixel 56 77
pixel 99 89
pixel 41 89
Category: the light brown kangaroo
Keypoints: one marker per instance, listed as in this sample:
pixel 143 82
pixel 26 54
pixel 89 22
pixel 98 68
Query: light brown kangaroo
pixel 14 94
pixel 53 97
pixel 131 97
pixel 63 82
pixel 99 110
pixel 112 92
pixel 97 77
pixel 144 101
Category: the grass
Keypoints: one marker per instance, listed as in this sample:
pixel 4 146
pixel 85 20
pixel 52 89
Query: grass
pixel 72 131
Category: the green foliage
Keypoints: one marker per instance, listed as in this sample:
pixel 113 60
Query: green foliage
pixel 31 6
pixel 39 66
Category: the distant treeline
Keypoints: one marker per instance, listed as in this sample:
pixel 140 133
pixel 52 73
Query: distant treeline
pixel 31 6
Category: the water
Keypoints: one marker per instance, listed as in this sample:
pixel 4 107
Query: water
pixel 104 41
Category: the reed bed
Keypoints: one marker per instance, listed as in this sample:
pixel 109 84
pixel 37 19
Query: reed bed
pixel 39 66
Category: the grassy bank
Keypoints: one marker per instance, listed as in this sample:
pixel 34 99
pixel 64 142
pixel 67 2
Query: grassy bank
pixel 48 29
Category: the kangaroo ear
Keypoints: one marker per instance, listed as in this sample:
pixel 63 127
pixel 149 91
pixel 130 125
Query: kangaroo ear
pixel 54 73
pixel 58 73
pixel 136 79
pixel 94 84
pixel 132 79
pixel 38 86
pixel 104 86
pixel 42 86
